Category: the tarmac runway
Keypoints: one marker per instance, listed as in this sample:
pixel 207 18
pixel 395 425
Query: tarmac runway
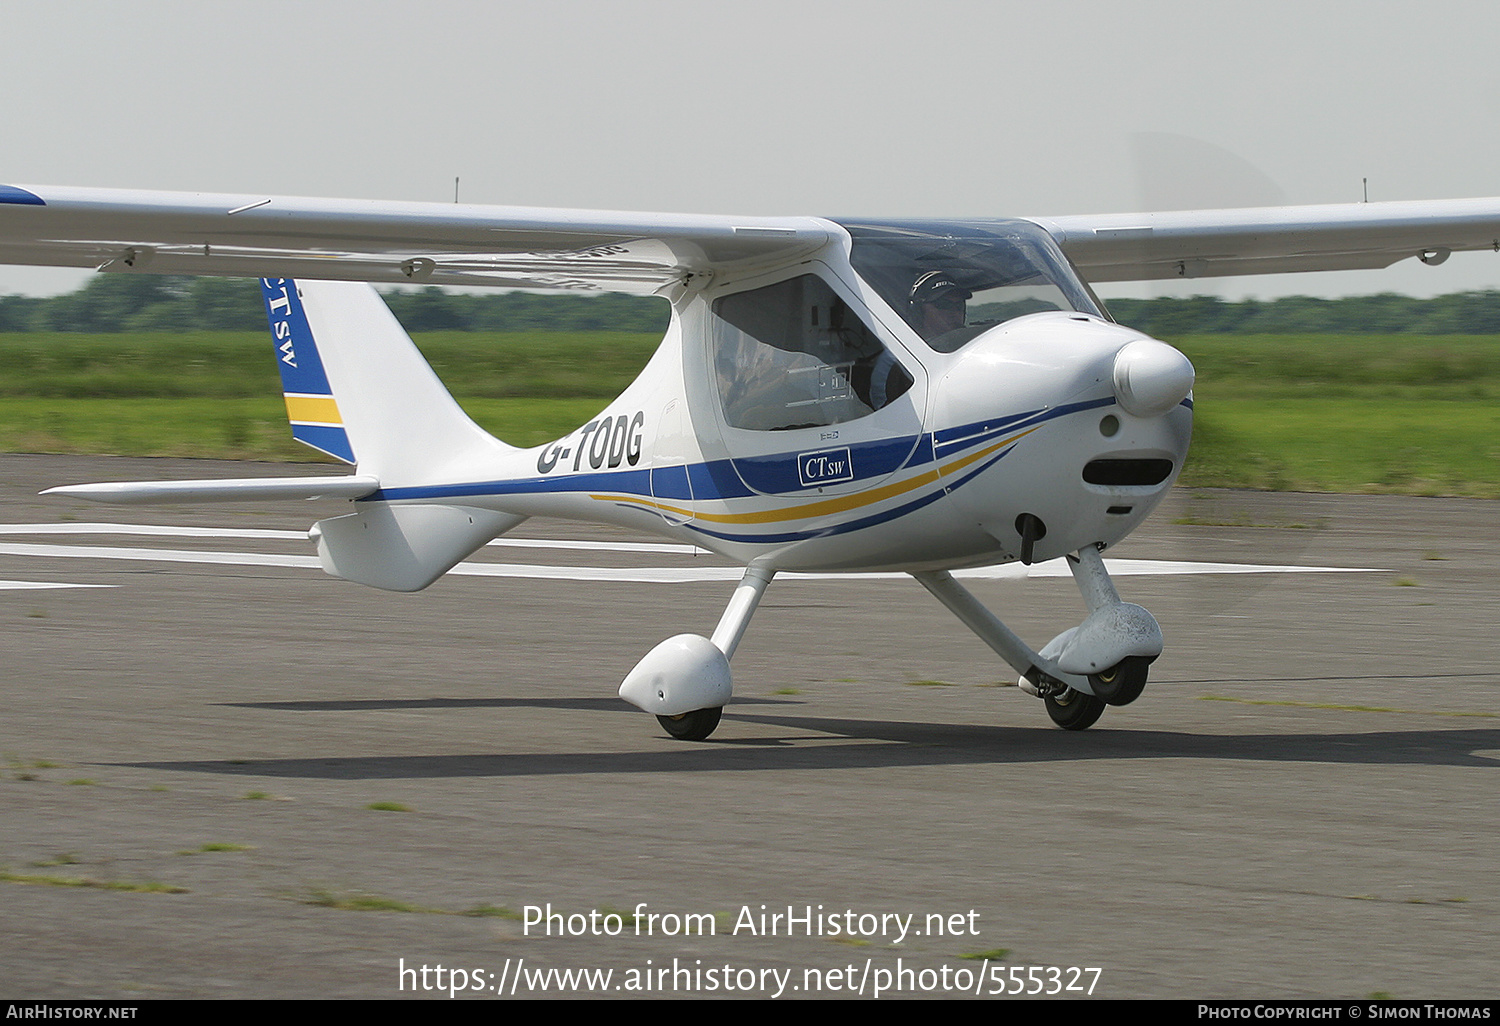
pixel 226 774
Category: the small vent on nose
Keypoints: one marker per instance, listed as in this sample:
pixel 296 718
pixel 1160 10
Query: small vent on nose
pixel 1127 472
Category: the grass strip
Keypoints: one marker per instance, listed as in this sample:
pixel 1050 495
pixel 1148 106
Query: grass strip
pixel 1407 414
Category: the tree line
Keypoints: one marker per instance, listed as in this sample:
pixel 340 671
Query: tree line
pixel 1462 313
pixel 177 303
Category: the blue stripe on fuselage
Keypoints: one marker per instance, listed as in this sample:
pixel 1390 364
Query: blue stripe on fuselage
pixel 781 475
pixel 973 434
pixel 716 480
pixel 872 520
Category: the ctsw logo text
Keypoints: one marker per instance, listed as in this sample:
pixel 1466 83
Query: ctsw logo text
pixel 826 466
pixel 279 303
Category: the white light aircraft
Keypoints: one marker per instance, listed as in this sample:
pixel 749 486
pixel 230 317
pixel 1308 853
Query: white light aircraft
pixel 830 395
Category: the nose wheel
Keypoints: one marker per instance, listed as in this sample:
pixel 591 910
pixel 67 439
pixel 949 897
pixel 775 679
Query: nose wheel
pixel 1122 683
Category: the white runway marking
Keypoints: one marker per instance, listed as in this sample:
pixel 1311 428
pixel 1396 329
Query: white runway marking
pixel 32 585
pixel 157 555
pixel 152 529
pixel 637 575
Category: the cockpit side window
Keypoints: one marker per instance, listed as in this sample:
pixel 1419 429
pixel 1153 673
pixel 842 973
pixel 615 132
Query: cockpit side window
pixel 795 355
pixel 952 282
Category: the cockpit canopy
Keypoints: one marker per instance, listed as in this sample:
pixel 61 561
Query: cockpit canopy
pixel 952 281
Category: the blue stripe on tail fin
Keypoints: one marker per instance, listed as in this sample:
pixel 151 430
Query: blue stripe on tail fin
pixel 310 404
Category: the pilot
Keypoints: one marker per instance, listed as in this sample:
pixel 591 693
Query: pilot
pixel 938 304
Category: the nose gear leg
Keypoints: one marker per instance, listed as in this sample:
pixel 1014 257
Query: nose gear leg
pixel 1102 661
pixel 1116 642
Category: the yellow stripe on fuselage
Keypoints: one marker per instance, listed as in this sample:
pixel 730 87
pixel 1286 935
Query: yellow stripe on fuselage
pixel 828 506
pixel 312 409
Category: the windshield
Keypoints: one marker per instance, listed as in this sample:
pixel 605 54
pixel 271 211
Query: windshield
pixel 951 281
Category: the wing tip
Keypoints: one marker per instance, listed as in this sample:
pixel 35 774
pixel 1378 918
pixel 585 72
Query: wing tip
pixel 18 195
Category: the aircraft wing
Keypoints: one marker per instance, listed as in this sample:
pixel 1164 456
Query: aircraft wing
pixel 361 240
pixel 1273 240
pixel 529 247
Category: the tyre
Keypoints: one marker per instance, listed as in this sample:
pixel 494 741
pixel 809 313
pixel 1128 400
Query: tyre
pixel 693 726
pixel 1073 710
pixel 1122 683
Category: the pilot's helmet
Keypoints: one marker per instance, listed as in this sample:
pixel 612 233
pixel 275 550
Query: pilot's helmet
pixel 935 287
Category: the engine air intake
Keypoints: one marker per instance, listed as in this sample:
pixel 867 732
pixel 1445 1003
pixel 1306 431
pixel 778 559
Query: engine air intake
pixel 1127 472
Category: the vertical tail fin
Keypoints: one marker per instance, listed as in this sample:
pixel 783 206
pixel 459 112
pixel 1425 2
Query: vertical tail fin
pixel 357 388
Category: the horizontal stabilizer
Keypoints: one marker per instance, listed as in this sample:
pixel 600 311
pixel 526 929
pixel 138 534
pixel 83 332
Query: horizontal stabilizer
pixel 233 490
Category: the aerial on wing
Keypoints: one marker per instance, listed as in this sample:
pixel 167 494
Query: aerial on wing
pixel 834 395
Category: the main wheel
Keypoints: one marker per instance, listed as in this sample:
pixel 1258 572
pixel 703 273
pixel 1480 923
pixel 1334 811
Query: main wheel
pixel 1073 710
pixel 693 726
pixel 1122 683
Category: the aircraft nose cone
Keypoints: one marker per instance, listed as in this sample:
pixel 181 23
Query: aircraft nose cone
pixel 1151 377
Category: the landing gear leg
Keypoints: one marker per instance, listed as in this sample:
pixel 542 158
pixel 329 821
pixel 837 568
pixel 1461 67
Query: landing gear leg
pixel 1103 661
pixel 1070 702
pixel 962 604
pixel 741 608
pixel 685 680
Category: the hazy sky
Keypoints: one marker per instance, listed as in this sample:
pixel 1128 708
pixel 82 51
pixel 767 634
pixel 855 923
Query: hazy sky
pixel 944 107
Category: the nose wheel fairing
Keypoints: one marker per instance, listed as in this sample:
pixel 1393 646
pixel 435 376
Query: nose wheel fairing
pixel 1113 632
